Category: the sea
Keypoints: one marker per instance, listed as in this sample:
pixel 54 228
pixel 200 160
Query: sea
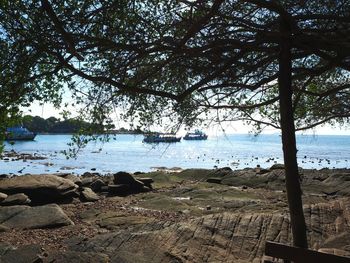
pixel 126 152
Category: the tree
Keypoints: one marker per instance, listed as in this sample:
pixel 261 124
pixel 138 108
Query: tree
pixel 262 61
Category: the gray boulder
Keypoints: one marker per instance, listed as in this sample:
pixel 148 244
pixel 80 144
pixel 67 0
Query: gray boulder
pixel 221 172
pixel 87 181
pixel 277 166
pixel 76 257
pixel 41 189
pixel 146 181
pixel 128 179
pixel 3 229
pixel 119 189
pixel 214 180
pixel 26 217
pixel 16 199
pixel 88 195
pixel 2 197
pixel 23 254
pixel 75 179
pixel 97 185
pixel 4 247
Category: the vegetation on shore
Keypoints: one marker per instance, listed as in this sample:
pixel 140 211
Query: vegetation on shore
pixel 54 125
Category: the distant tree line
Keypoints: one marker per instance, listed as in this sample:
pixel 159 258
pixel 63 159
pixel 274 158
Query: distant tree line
pixel 53 125
pixel 56 125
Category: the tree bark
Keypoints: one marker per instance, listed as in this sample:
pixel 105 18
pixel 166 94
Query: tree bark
pixel 288 139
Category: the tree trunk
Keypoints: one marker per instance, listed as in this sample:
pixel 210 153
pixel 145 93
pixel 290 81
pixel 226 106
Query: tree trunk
pixel 288 139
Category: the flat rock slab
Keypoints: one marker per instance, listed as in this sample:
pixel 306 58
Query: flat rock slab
pixel 113 219
pixel 221 237
pixel 26 217
pixel 16 199
pixel 76 257
pixel 24 254
pixel 4 247
pixel 44 188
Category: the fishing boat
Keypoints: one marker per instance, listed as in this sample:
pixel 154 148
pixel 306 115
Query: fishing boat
pixel 161 137
pixel 196 135
pixel 19 133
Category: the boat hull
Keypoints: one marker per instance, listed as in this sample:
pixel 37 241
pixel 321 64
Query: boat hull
pixel 160 140
pixel 19 133
pixel 195 138
pixel 27 137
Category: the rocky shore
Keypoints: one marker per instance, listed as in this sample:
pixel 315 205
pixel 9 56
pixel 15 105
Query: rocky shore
pixel 194 215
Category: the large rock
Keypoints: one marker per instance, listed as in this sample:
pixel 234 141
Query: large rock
pixel 221 172
pixel 2 197
pixel 118 189
pixel 87 181
pixel 88 195
pixel 41 189
pixel 277 166
pixel 75 179
pixel 34 254
pixel 4 247
pixel 75 257
pixel 123 178
pixel 337 183
pixel 146 181
pixel 23 254
pixel 26 217
pixel 214 180
pixel 3 229
pixel 16 199
pixel 97 185
pixel 221 237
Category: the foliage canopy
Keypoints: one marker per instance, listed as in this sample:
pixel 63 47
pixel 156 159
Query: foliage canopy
pixel 186 57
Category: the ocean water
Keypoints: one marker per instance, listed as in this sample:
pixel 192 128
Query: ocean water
pixel 128 153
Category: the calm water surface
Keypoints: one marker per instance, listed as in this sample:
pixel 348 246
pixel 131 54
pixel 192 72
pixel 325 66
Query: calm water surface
pixel 128 153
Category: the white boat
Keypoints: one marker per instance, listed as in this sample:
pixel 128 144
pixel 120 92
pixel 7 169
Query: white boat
pixel 196 135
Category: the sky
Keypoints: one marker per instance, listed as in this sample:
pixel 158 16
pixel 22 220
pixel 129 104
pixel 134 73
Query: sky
pixel 48 110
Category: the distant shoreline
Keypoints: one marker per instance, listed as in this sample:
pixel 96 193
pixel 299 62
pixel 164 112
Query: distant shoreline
pixel 109 133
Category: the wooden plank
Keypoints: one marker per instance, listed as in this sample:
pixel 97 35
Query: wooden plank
pixel 300 255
